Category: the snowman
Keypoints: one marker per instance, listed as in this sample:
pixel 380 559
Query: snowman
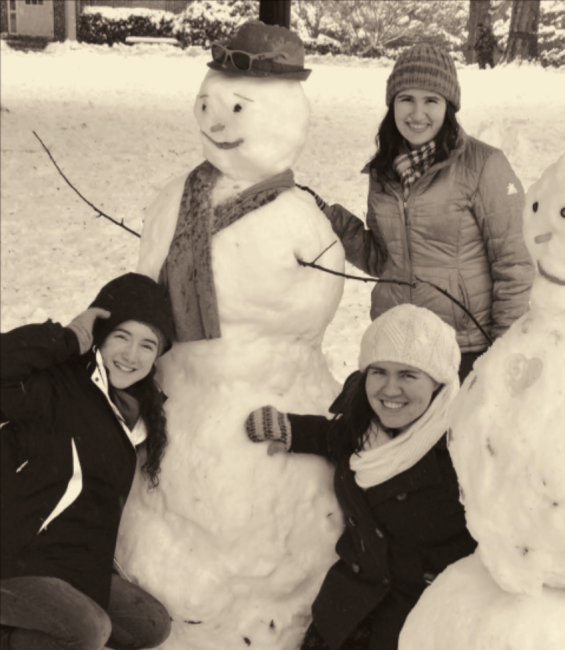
pixel 233 542
pixel 507 442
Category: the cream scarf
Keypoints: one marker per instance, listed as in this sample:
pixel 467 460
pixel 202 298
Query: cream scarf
pixel 383 457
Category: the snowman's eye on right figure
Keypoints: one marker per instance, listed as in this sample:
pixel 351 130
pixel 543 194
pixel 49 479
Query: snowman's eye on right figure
pixel 535 206
pixel 203 107
pixel 237 108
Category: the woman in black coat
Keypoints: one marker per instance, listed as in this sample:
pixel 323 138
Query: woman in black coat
pixel 77 404
pixel 394 479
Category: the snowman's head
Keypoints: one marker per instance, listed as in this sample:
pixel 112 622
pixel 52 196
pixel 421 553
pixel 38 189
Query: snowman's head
pixel 251 127
pixel 544 223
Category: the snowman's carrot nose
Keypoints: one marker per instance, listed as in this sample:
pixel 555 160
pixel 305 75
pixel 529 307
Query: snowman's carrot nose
pixel 217 127
pixel 541 239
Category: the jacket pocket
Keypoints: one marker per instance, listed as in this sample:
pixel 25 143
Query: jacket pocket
pixel 439 297
pixel 464 300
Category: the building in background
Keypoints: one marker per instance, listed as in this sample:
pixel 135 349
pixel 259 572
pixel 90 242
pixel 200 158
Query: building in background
pixel 56 20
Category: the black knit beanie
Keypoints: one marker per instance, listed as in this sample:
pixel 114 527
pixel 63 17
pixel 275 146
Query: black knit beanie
pixel 134 297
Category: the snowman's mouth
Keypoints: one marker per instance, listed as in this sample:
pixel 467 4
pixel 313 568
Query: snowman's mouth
pixel 549 276
pixel 225 145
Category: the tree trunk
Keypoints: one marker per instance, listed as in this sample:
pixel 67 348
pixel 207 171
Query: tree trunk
pixel 478 13
pixel 523 37
pixel 275 12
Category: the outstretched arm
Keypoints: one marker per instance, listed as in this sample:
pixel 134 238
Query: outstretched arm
pixel 364 248
pixel 301 434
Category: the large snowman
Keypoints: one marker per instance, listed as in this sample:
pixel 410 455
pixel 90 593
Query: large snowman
pixel 236 543
pixel 508 447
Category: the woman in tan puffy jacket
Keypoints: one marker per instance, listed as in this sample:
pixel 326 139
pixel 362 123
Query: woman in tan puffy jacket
pixel 443 208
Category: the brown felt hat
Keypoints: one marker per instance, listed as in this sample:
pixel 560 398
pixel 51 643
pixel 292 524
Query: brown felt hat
pixel 284 52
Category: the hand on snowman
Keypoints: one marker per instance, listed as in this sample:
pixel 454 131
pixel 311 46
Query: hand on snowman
pixel 319 200
pixel 83 324
pixel 267 423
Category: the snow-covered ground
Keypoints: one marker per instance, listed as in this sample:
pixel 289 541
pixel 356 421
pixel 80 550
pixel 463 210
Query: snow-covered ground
pixel 119 123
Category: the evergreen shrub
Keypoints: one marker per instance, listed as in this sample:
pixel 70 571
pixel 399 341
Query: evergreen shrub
pixel 204 22
pixel 108 25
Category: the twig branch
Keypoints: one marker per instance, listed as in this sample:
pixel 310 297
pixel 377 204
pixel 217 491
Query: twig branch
pixel 352 277
pixel 460 305
pixel 99 212
pixel 325 249
pixel 408 284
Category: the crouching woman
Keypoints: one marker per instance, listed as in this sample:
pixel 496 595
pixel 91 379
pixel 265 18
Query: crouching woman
pixel 394 479
pixel 78 402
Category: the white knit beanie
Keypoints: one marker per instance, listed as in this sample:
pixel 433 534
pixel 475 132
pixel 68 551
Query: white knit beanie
pixel 416 337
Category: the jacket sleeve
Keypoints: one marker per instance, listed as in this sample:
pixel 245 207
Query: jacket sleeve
pixel 498 205
pixel 364 248
pixel 310 434
pixel 27 353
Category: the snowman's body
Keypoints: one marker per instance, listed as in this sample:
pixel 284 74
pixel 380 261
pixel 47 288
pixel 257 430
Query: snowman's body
pixel 236 543
pixel 508 448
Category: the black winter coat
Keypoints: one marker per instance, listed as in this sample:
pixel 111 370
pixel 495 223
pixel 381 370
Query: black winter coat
pixel 66 459
pixel 399 535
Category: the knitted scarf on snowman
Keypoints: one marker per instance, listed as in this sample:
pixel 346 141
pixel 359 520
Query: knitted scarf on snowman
pixel 187 272
pixel 383 457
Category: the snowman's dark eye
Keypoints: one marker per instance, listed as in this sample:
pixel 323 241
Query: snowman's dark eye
pixel 535 206
pixel 203 107
pixel 562 212
pixel 237 108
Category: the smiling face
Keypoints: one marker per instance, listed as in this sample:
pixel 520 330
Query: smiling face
pixel 419 115
pixel 398 394
pixel 251 128
pixel 129 353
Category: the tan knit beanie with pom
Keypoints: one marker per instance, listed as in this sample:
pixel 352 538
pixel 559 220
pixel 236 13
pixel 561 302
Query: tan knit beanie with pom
pixel 413 336
pixel 427 67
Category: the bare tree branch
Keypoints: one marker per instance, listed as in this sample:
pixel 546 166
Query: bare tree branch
pixel 408 284
pixel 97 210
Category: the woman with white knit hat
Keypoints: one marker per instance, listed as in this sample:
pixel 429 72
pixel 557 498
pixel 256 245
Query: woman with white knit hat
pixel 443 207
pixel 394 479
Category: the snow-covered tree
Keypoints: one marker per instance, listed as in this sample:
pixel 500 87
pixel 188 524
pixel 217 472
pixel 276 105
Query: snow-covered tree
pixel 479 12
pixel 523 37
pixel 363 25
pixel 551 30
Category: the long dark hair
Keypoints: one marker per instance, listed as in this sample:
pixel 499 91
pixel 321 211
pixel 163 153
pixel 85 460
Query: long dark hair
pixel 389 140
pixel 350 427
pixel 151 401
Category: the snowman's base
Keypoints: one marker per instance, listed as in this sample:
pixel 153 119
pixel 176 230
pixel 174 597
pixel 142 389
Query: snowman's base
pixel 464 609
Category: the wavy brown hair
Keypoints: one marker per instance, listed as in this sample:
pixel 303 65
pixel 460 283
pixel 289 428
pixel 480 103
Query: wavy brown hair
pixel 350 426
pixel 151 401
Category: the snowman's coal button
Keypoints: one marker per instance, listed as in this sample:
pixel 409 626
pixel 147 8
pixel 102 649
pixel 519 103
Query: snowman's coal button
pixel 402 496
pixel 353 522
pixel 379 533
pixel 355 568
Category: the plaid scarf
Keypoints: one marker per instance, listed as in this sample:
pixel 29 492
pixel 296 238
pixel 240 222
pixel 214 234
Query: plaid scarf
pixel 413 164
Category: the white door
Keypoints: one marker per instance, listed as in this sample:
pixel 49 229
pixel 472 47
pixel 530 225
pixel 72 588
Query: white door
pixel 32 18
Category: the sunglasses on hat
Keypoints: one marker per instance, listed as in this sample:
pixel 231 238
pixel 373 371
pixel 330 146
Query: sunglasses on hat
pixel 241 61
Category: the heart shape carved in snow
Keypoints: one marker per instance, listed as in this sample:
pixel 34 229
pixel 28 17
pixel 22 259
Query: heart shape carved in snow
pixel 521 372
